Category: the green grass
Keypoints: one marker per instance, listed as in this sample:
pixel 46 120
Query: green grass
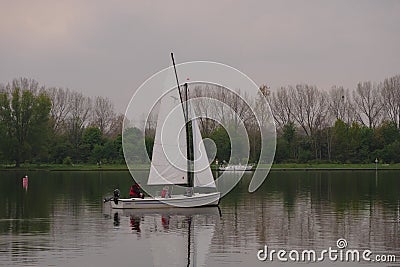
pixel 73 167
pixel 334 165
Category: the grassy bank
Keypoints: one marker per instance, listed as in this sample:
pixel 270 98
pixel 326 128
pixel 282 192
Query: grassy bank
pixel 74 167
pixel 123 167
pixel 334 166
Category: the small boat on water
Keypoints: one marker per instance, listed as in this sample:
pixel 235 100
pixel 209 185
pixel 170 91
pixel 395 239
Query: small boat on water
pixel 182 201
pixel 238 167
pixel 177 140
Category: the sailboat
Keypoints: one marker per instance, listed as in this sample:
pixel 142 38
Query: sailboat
pixel 179 158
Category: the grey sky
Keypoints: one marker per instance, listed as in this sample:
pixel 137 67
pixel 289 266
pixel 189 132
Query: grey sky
pixel 109 48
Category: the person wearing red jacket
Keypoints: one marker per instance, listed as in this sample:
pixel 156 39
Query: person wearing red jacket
pixel 135 191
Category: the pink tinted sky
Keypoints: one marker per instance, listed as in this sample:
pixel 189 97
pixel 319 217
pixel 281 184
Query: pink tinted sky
pixel 109 48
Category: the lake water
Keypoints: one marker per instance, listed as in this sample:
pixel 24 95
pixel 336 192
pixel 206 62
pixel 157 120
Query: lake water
pixel 60 220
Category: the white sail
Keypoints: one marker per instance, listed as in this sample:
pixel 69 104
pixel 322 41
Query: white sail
pixel 169 161
pixel 202 171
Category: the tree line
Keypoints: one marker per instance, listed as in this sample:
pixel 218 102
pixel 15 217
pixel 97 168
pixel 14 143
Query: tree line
pixel 56 125
pixel 340 125
pixel 59 125
pixel 313 125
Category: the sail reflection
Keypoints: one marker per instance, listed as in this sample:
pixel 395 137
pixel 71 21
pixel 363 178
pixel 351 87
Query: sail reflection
pixel 176 236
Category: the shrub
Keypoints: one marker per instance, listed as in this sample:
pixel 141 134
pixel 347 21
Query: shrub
pixel 67 160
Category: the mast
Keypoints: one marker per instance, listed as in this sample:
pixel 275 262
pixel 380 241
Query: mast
pixel 189 220
pixel 189 144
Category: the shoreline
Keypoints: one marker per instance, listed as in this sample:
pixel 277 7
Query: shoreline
pixel 276 167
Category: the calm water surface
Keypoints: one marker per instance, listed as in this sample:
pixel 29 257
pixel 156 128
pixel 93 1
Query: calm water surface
pixel 60 220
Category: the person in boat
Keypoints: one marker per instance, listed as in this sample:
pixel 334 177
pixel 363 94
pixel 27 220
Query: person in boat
pixel 165 192
pixel 135 191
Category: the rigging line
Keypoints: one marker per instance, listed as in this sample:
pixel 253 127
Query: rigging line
pixel 186 115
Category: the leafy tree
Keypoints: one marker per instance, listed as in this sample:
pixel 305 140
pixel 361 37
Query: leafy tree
pixel 221 139
pixel 282 151
pixel 289 134
pixel 305 149
pixel 91 138
pixel 59 149
pixel 98 154
pixel 24 120
pixel 118 148
pixel 110 152
pixel 341 135
pixel 386 134
pixel 134 146
pixel 390 153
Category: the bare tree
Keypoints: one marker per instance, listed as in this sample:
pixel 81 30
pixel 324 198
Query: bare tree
pixel 341 105
pixel 281 104
pixel 80 108
pixel 78 118
pixel 26 84
pixel 103 114
pixel 151 122
pixel 207 106
pixel 263 106
pixel 337 104
pixel 60 106
pixel 391 98
pixel 213 92
pixel 310 107
pixel 367 99
pixel 205 94
pixel 238 102
pixel 222 94
pixel 116 126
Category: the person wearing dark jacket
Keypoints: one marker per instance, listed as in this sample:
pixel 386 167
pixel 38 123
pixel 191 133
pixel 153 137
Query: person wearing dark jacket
pixel 135 191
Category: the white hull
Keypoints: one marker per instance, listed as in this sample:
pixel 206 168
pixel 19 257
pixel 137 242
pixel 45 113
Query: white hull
pixel 182 201
pixel 236 168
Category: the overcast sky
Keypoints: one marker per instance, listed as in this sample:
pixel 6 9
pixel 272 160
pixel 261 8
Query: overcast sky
pixel 109 48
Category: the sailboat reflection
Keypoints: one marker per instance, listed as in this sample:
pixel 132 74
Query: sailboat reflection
pixel 177 236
